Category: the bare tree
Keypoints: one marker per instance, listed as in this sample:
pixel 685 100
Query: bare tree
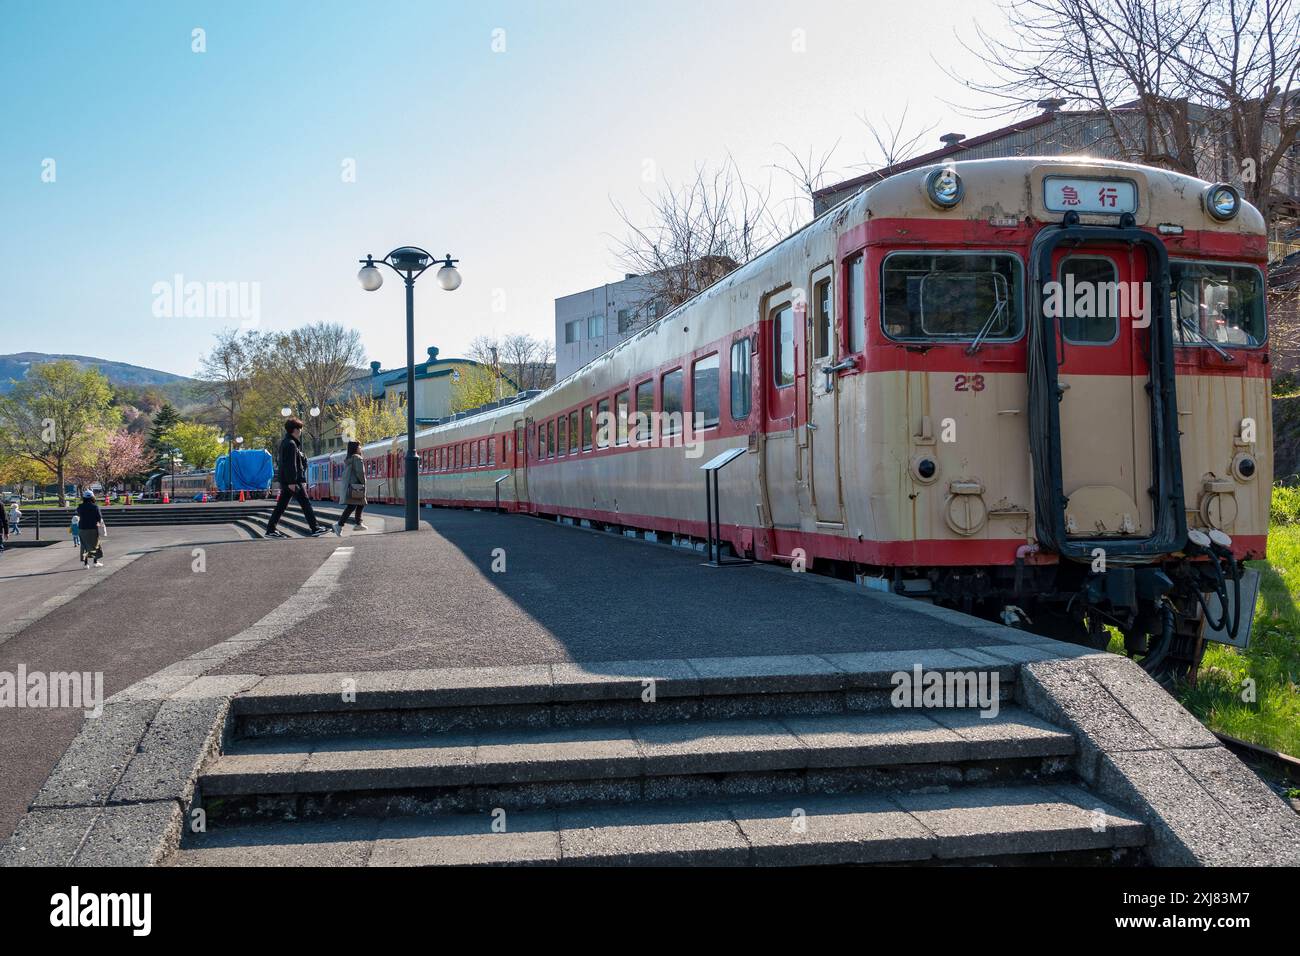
pixel 226 374
pixel 696 234
pixel 529 361
pixel 1189 85
pixel 306 368
pixel 808 173
pixel 895 143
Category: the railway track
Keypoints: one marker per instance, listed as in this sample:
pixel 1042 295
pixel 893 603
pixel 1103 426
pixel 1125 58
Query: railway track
pixel 1280 766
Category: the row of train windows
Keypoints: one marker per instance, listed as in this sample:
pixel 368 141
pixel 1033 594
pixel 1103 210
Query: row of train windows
pixel 480 453
pixel 631 415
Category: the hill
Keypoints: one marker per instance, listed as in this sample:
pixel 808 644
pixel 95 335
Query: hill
pixel 175 388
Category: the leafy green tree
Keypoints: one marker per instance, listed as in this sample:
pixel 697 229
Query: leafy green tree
pixel 47 416
pixel 200 445
pixel 165 418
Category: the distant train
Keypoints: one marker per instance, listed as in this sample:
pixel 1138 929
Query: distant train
pixel 187 484
pixel 1036 389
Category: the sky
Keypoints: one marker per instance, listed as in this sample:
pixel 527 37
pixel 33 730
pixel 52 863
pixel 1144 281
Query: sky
pixel 285 141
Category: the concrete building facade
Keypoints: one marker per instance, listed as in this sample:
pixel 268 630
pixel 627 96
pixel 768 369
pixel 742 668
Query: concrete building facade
pixel 590 323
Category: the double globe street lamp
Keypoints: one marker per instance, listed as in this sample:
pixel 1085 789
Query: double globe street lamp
pixel 410 262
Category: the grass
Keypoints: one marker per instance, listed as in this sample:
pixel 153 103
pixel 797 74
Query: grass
pixel 1272 662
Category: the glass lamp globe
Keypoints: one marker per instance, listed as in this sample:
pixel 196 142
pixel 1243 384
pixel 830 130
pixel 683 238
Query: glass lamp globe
pixel 370 278
pixel 286 411
pixel 448 278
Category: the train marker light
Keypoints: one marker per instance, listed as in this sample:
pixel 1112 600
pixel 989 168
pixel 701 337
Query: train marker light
pixel 1169 229
pixel 944 187
pixel 1222 201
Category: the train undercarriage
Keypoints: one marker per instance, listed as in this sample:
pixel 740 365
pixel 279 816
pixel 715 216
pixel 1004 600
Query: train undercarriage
pixel 1160 612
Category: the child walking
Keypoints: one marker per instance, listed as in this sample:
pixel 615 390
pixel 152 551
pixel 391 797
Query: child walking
pixel 76 530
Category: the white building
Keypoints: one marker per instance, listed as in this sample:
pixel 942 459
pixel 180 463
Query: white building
pixel 590 323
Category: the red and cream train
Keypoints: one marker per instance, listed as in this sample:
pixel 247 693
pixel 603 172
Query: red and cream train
pixel 1035 388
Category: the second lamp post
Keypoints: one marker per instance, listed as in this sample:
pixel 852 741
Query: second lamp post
pixel 410 262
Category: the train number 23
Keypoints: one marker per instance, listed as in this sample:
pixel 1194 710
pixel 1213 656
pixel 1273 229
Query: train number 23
pixel 968 383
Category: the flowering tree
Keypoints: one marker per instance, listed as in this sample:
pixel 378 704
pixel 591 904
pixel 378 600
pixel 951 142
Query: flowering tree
pixel 109 458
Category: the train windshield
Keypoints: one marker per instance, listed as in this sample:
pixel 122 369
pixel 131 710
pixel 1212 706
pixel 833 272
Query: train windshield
pixel 952 296
pixel 1216 303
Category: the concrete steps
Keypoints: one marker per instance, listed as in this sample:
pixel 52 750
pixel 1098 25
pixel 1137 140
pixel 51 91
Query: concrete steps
pixel 730 760
pixel 986 825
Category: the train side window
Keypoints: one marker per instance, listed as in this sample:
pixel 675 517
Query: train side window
pixel 492 450
pixel 672 402
pixel 586 427
pixel 620 416
pixel 550 439
pixel 603 423
pixel 856 300
pixel 563 432
pixel 705 399
pixel 783 346
pixel 573 432
pixel 645 410
pixel 1102 328
pixel 473 454
pixel 822 319
pixel 740 379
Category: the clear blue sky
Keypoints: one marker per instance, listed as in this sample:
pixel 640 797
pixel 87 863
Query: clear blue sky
pixel 226 165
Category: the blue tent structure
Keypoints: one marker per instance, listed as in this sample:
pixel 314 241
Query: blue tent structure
pixel 253 471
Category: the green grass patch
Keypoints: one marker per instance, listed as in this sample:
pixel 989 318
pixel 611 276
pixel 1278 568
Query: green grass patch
pixel 1272 662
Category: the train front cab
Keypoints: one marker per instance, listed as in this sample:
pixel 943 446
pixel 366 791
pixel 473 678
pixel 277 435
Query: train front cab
pixel 1143 418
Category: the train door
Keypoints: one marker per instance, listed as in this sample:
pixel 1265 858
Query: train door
pixel 519 463
pixel 823 430
pixel 1102 377
pixel 781 336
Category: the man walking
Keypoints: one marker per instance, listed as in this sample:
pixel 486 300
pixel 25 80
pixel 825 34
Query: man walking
pixel 293 475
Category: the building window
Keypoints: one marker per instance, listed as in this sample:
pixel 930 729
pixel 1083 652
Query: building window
pixel 603 423
pixel 596 327
pixel 586 428
pixel 572 331
pixel 783 346
pixel 822 318
pixel 740 383
pixel 624 321
pixel 645 410
pixel 620 415
pixel 573 432
pixel 704 392
pixel 672 401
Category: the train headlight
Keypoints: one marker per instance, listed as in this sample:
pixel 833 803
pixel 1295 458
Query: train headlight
pixel 1244 467
pixel 944 187
pixel 1222 201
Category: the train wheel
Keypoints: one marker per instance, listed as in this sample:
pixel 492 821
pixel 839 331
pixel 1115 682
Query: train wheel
pixel 1177 664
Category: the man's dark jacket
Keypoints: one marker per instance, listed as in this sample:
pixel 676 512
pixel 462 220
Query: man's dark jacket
pixel 293 465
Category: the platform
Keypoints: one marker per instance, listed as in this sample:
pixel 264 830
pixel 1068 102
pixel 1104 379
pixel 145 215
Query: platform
pixel 233 681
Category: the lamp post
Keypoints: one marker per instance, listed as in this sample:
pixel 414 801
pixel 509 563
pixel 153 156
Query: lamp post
pixel 176 456
pixel 410 262
pixel 235 442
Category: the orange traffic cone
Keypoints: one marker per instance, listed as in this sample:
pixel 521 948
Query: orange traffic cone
pixel 241 496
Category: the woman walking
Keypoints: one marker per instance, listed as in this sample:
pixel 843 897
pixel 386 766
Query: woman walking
pixel 354 487
pixel 90 528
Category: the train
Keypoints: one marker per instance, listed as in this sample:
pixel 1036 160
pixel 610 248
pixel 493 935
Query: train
pixel 1036 389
